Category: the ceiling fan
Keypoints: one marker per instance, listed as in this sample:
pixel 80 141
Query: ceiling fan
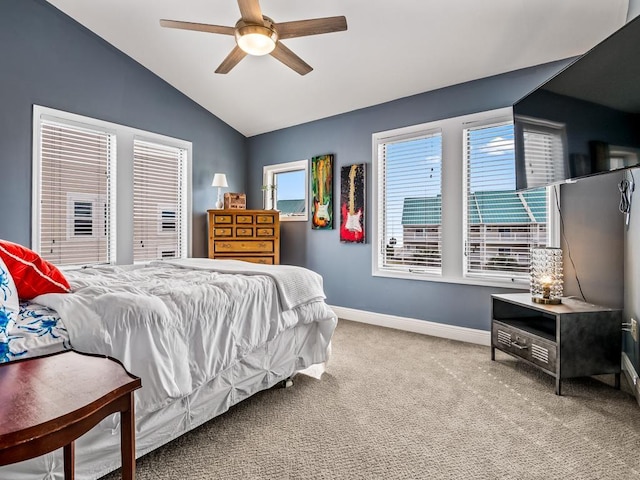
pixel 257 34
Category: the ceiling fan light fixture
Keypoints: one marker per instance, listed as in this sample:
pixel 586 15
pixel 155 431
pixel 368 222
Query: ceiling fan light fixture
pixel 256 39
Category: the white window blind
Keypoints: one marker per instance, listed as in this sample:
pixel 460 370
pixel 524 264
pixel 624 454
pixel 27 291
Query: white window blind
pixel 501 224
pixel 76 170
pixel 159 203
pixel 410 203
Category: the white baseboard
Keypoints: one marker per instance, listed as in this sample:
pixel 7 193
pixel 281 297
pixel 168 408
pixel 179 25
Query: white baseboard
pixel 632 375
pixel 463 334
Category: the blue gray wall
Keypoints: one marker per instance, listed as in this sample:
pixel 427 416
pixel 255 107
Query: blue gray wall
pixel 593 227
pixel 48 59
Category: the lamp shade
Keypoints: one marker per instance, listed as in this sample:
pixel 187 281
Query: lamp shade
pixel 546 275
pixel 219 180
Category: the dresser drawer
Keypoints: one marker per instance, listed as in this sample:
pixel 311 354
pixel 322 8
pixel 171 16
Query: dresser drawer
pixel 245 219
pixel 264 232
pixel 222 219
pixel 262 260
pixel 243 246
pixel 244 232
pixel 525 345
pixel 262 219
pixel 222 231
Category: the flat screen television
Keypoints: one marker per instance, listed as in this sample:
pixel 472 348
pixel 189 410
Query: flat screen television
pixel 585 120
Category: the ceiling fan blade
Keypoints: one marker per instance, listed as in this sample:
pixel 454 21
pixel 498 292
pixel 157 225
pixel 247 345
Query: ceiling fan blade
pixel 232 60
pixel 316 26
pixel 199 27
pixel 290 59
pixel 250 11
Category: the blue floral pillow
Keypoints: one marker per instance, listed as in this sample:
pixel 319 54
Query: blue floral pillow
pixel 9 310
pixel 9 303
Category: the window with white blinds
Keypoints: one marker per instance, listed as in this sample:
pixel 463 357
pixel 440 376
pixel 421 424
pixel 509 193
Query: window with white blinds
pixel 501 225
pixel 445 207
pixel 76 167
pixel 159 189
pixel 80 165
pixel 409 202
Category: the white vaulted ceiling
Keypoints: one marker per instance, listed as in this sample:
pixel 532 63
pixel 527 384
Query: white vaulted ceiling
pixel 392 49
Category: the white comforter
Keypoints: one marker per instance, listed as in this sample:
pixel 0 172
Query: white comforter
pixel 178 325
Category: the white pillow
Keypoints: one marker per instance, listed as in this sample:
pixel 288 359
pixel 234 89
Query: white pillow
pixel 9 302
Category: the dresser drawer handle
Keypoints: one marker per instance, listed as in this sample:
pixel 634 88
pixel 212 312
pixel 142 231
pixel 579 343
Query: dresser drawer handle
pixel 519 346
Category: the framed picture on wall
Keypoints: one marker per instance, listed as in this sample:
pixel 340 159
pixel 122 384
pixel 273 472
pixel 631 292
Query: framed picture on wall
pixel 352 203
pixel 322 191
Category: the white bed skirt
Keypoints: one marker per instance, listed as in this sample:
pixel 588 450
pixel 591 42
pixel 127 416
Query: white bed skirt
pixel 304 348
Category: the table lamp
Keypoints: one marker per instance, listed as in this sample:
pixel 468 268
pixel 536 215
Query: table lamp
pixel 546 275
pixel 219 180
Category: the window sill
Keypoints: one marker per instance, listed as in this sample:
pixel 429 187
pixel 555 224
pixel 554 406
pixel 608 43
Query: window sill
pixel 517 284
pixel 293 218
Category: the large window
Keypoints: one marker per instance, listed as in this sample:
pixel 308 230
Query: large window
pixel 75 193
pixel 285 188
pixel 104 193
pixel 158 200
pixel 410 180
pixel 445 206
pixel 502 225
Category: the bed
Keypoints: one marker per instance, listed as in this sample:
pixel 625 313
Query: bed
pixel 202 335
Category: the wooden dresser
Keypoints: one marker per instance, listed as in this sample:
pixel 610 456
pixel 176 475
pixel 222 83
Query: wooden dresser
pixel 250 235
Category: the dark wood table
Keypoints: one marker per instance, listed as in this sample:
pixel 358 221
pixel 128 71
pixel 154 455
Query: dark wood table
pixel 48 402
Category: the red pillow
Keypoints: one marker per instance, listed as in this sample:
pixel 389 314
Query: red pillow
pixel 32 274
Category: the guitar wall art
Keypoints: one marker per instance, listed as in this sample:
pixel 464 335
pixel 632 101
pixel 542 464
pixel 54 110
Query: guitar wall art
pixel 352 203
pixel 322 190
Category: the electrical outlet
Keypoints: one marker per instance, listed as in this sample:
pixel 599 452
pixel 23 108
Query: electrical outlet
pixel 634 329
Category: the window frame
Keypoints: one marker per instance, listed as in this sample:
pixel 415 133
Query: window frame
pixel 453 197
pixel 121 186
pixel 396 136
pixel 180 205
pixel 552 224
pixel 269 173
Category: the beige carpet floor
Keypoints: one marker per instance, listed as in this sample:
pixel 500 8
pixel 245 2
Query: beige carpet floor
pixel 397 405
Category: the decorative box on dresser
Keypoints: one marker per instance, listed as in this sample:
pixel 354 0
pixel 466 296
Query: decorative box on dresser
pixel 572 339
pixel 249 235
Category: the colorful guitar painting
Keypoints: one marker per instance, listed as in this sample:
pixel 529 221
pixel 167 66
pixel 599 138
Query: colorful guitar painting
pixel 352 204
pixel 322 175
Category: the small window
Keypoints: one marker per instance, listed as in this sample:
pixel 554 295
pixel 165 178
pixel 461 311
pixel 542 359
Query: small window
pixel 86 217
pixel 167 220
pixel 166 252
pixel 285 187
pixel 82 219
